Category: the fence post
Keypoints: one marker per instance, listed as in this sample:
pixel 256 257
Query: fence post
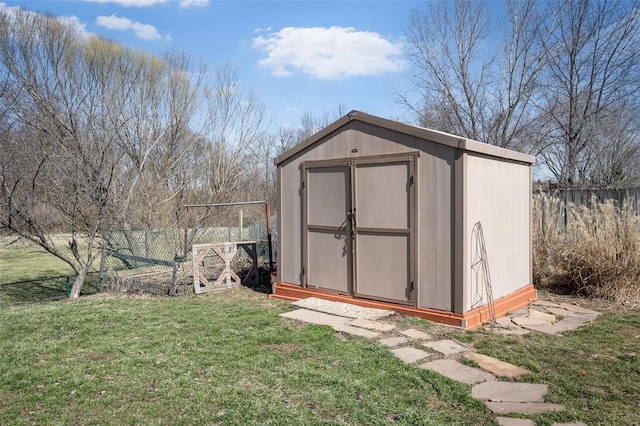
pixel 103 255
pixel 269 243
pixel 186 231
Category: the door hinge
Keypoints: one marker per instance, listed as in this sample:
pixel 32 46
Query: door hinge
pixel 411 180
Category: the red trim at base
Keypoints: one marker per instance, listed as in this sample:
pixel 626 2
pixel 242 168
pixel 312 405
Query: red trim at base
pixel 509 303
pixel 470 320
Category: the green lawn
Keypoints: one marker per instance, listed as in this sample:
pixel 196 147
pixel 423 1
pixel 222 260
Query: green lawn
pixel 224 358
pixel 594 371
pixel 227 358
pixel 27 262
pixel 30 274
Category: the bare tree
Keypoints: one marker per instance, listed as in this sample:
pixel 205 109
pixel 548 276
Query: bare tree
pixel 449 71
pixel 592 68
pixel 159 107
pixel 289 135
pixel 614 154
pixel 92 121
pixel 68 164
pixel 471 82
pixel 236 123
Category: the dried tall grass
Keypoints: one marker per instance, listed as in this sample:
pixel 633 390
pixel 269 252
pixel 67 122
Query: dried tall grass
pixel 588 251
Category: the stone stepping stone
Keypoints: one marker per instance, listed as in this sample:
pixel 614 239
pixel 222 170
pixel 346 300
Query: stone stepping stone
pixel 522 312
pixel 542 316
pixel 522 407
pixel 506 322
pixel 459 372
pixel 545 303
pixel 356 331
pixel 446 347
pixel 495 366
pixel 410 355
pixel 372 325
pixel 561 312
pixel 510 421
pixel 525 321
pixel 509 392
pixel 341 309
pixel 578 309
pixel 391 342
pixel 314 317
pixel 416 334
pixel 565 324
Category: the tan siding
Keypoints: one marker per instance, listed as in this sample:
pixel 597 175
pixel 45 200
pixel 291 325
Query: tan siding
pixel 354 135
pixel 435 231
pixel 289 249
pixel 498 196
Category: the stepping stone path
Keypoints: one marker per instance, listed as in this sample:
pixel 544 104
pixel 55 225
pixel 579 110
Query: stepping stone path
pixel 459 372
pixel 500 397
pixel 391 342
pixel 371 325
pixel 495 366
pixel 546 317
pixel 446 347
pixel 510 421
pixel 415 334
pixel 509 392
pixel 409 355
pixel 522 407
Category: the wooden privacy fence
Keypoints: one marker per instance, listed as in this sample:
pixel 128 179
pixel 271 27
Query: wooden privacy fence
pixel 582 197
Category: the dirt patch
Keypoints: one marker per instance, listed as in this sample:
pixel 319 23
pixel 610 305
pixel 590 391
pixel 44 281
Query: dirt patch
pixel 282 348
pixel 5 399
pixel 589 303
pixel 97 358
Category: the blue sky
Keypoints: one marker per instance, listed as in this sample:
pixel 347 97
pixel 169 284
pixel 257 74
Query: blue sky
pixel 296 55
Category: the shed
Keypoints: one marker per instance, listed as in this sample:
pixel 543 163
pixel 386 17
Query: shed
pixel 384 214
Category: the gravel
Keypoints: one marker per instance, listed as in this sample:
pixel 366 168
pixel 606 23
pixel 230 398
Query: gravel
pixel 341 309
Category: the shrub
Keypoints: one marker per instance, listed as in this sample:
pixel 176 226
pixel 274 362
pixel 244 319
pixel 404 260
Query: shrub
pixel 591 251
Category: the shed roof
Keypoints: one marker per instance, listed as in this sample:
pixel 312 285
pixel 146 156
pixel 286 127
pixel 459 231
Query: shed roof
pixel 416 131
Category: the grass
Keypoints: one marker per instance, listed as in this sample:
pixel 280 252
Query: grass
pixel 224 358
pixel 227 358
pixel 593 371
pixel 30 274
pixel 28 262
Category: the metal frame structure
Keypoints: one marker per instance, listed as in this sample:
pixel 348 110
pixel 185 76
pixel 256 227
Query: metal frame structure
pixel 240 203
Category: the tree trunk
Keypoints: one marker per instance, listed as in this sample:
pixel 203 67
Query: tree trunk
pixel 77 284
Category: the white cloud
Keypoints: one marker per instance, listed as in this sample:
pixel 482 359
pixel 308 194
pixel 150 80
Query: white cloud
pixel 72 21
pixel 328 53
pixel 194 3
pixel 130 3
pixel 144 3
pixel 75 23
pixel 143 31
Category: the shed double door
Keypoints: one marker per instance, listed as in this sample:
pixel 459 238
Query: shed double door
pixel 358 228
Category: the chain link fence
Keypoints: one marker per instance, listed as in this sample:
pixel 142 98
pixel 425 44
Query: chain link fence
pixel 160 260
